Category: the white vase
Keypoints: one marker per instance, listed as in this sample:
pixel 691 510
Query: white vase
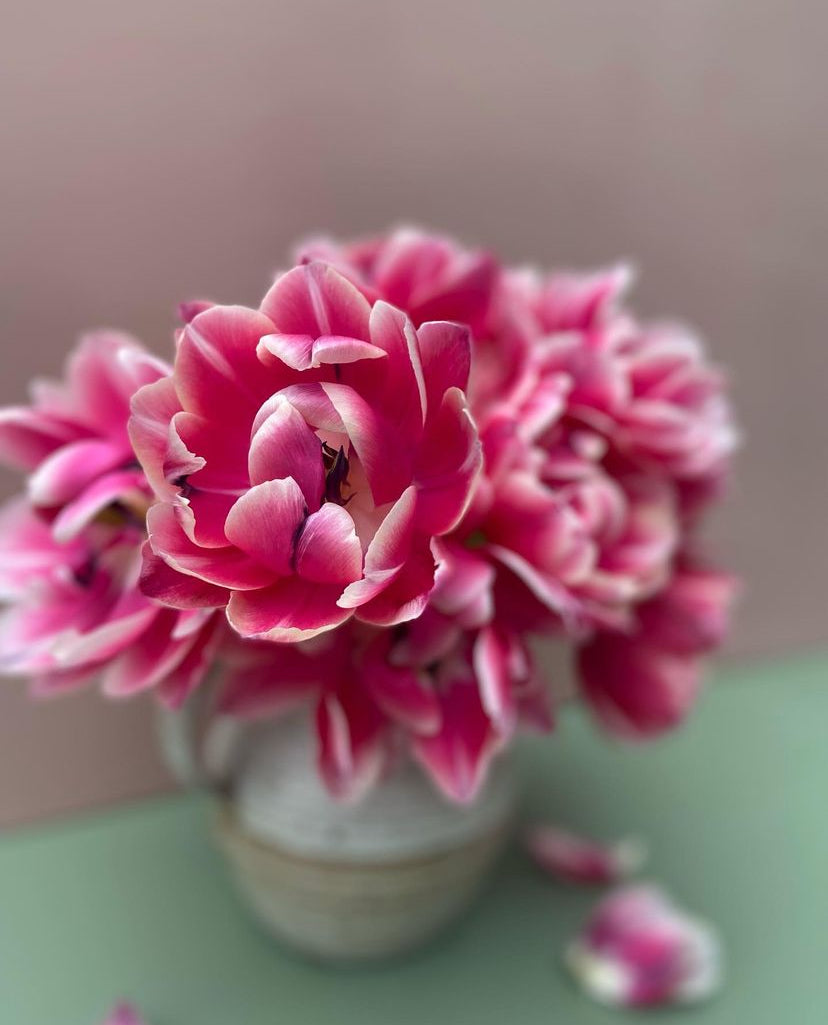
pixel 345 882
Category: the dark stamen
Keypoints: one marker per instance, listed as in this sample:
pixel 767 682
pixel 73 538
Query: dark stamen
pixel 84 574
pixel 336 473
pixel 183 483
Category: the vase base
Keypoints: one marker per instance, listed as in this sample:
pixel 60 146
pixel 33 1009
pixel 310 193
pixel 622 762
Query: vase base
pixel 348 912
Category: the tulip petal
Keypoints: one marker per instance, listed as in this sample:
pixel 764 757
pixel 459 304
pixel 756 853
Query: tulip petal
pixel 352 749
pixel 27 437
pixel 280 679
pixel 265 523
pixel 457 757
pixel 339 410
pixel 639 949
pixel 64 474
pixel 153 408
pixel 29 549
pixel 294 351
pixel 548 591
pixel 462 579
pixel 283 445
pixel 202 516
pixel 216 449
pixel 314 299
pixel 492 656
pixel 328 550
pixel 179 590
pixel 399 691
pixel 445 351
pixel 224 567
pixel 303 352
pixel 216 366
pixel 405 596
pixel 634 689
pixel 578 859
pixel 124 486
pixel 335 350
pixel 289 611
pixel 448 463
pixel 76 648
pixel 149 660
pixel 690 615
pixel 387 552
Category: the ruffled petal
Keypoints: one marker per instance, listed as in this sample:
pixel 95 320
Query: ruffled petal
pixel 153 408
pixel 493 658
pixel 634 689
pixel 216 366
pixel 314 299
pixel 289 611
pixel 445 352
pixel 463 583
pixel 152 659
pixel 303 352
pixel 352 747
pixel 457 757
pixel 400 691
pixel 225 567
pixel 202 516
pixel 271 680
pixel 328 550
pixel 405 597
pixel 28 436
pixel 337 409
pixel 127 487
pixel 211 453
pixel 448 463
pixel 283 445
pixel 265 523
pixel 579 859
pixel 179 590
pixel 387 552
pixel 64 475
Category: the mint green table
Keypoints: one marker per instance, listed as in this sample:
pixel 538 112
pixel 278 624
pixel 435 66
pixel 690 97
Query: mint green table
pixel 135 903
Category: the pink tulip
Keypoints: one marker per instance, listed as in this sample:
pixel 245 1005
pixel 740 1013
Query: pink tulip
pixel 577 859
pixel 602 440
pixel 634 689
pixel 639 949
pixel 73 440
pixel 576 498
pixel 70 551
pixel 344 446
pixel 647 390
pixel 312 473
pixel 585 546
pixel 645 681
pixel 690 615
pixel 431 277
pixel 76 613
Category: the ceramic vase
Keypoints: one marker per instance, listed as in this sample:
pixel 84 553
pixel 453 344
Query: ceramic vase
pixel 341 882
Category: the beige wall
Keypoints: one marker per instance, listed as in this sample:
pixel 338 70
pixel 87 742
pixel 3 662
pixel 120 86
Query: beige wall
pixel 160 150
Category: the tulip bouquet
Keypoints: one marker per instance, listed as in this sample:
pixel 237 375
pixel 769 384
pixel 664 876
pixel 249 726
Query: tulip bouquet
pixel 369 494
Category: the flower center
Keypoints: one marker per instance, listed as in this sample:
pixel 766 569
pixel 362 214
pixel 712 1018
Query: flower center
pixel 336 473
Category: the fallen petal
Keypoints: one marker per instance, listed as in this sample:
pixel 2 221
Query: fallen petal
pixel 578 859
pixel 123 1014
pixel 639 949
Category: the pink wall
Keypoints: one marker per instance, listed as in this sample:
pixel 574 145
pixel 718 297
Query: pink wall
pixel 156 151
